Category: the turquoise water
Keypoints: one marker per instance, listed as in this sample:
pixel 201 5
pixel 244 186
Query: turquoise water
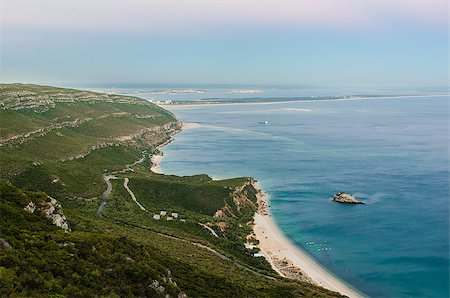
pixel 391 153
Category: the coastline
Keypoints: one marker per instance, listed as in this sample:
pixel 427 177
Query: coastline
pixel 284 257
pixel 155 159
pixel 287 259
pixel 200 104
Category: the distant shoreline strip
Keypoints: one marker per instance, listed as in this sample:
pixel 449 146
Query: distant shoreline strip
pixel 199 103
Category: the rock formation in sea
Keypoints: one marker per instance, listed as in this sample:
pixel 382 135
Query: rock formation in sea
pixel 345 198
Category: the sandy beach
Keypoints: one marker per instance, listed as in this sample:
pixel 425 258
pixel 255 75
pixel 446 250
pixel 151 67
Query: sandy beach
pixel 156 160
pixel 288 260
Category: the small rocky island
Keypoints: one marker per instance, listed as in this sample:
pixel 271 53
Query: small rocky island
pixel 345 198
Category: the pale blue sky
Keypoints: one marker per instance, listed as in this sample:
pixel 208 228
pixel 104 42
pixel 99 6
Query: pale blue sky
pixel 329 42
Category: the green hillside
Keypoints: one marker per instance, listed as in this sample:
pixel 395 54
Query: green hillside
pixel 68 145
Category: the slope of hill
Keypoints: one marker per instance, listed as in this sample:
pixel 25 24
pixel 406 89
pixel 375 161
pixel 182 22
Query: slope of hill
pixel 156 234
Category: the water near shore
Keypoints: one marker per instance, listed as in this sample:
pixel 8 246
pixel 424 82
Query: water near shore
pixel 391 153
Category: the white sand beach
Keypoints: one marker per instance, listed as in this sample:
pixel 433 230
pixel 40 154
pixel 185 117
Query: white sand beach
pixel 286 259
pixel 156 160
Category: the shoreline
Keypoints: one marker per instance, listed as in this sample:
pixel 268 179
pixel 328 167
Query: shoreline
pixel 284 257
pixel 289 260
pixel 200 104
pixel 155 159
pixel 156 163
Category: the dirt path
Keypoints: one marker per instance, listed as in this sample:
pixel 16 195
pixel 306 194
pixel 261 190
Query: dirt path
pixel 217 254
pixel 210 230
pixel 125 184
pixel 223 257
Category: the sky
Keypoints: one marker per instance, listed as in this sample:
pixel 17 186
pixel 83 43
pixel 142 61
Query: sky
pixel 285 42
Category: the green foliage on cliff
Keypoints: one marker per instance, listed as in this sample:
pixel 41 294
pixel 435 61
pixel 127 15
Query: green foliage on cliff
pixel 60 142
pixel 116 260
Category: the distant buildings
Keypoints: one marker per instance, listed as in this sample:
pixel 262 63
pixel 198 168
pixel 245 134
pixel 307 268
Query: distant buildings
pixel 169 216
pixel 167 102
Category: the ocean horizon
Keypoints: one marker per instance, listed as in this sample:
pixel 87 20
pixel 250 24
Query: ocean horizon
pixel 390 153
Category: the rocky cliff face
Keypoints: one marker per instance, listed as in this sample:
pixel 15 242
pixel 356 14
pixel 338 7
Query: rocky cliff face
pixel 50 209
pixel 244 196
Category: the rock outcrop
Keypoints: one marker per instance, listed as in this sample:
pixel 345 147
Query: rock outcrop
pixel 345 198
pixel 51 209
pixel 4 244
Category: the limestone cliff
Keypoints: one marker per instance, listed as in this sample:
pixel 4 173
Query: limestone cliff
pixel 244 196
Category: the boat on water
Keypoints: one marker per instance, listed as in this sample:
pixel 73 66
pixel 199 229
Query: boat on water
pixel 263 122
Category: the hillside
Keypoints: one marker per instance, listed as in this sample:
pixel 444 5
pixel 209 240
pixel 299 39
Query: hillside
pixel 84 157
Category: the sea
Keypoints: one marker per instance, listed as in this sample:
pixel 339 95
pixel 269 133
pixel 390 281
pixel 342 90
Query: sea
pixel 391 153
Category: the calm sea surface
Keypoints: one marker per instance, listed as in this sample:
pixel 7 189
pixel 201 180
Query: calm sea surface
pixel 391 153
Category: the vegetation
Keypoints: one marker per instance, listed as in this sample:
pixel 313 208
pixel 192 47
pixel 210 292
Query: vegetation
pixel 63 144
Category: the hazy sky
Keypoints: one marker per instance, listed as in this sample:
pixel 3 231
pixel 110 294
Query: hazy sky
pixel 306 42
